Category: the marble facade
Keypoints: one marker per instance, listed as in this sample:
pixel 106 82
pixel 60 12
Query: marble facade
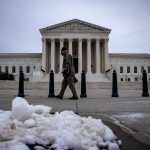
pixel 88 44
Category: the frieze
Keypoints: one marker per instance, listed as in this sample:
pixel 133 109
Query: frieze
pixel 74 31
pixel 75 35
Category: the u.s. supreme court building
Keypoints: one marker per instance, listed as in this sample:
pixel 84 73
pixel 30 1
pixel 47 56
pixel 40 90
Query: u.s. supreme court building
pixel 88 43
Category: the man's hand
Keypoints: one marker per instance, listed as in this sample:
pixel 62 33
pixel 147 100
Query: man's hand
pixel 65 71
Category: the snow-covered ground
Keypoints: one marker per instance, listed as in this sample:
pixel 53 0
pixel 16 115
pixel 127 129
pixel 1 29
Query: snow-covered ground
pixel 27 126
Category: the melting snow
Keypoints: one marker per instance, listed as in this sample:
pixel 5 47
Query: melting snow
pixel 132 116
pixel 27 125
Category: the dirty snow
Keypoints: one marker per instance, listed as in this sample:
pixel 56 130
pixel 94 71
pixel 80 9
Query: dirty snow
pixel 27 125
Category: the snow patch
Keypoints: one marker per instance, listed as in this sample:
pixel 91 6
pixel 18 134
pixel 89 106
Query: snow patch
pixel 131 116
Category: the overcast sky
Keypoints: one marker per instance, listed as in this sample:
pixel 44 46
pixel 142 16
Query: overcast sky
pixel 20 21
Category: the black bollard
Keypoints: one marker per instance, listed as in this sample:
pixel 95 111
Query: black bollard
pixel 21 85
pixel 145 85
pixel 51 84
pixel 83 85
pixel 114 85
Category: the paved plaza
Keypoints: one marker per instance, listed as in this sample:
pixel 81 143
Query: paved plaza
pixel 130 110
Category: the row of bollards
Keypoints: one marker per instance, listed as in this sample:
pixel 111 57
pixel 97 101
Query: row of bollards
pixel 115 86
pixel 83 85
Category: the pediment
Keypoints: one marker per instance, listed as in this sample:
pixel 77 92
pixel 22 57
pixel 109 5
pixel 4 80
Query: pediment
pixel 74 25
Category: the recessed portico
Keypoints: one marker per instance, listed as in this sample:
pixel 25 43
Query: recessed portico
pixel 88 53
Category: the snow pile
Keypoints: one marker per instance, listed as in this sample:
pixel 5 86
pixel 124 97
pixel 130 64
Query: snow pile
pixel 22 111
pixel 33 127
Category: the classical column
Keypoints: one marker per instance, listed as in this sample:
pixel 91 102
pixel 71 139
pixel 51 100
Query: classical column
pixel 97 56
pixel 44 54
pixel 61 57
pixel 106 54
pixel 53 55
pixel 70 46
pixel 88 55
pixel 80 56
pixel 102 55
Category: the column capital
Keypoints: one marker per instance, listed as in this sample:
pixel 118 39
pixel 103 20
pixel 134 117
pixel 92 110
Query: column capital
pixel 61 39
pixel 88 39
pixel 101 40
pixel 43 39
pixel 106 40
pixel 52 39
pixel 98 39
pixel 80 39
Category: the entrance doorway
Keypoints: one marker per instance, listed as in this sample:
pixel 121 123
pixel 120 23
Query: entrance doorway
pixel 75 61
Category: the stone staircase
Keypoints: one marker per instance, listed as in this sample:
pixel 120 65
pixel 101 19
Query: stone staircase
pixel 13 85
pixel 41 77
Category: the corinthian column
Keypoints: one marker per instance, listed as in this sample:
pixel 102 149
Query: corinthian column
pixel 70 46
pixel 80 55
pixel 107 65
pixel 88 55
pixel 53 54
pixel 44 54
pixel 97 56
pixel 61 57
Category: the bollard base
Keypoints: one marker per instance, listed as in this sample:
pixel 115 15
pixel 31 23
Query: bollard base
pixel 83 95
pixel 51 95
pixel 115 95
pixel 145 95
pixel 21 95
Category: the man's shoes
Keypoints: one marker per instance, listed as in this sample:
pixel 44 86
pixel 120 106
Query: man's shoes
pixel 58 96
pixel 73 98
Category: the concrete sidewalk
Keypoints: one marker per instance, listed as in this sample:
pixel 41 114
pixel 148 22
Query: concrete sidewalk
pixel 129 111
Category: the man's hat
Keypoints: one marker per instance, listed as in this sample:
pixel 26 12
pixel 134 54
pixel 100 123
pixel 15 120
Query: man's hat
pixel 64 48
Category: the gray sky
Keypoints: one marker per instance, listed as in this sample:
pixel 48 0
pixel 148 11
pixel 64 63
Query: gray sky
pixel 20 21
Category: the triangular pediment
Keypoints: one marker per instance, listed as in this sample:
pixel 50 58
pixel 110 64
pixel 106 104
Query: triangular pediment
pixel 74 25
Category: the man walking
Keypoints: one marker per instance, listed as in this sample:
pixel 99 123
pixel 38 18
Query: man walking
pixel 68 72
